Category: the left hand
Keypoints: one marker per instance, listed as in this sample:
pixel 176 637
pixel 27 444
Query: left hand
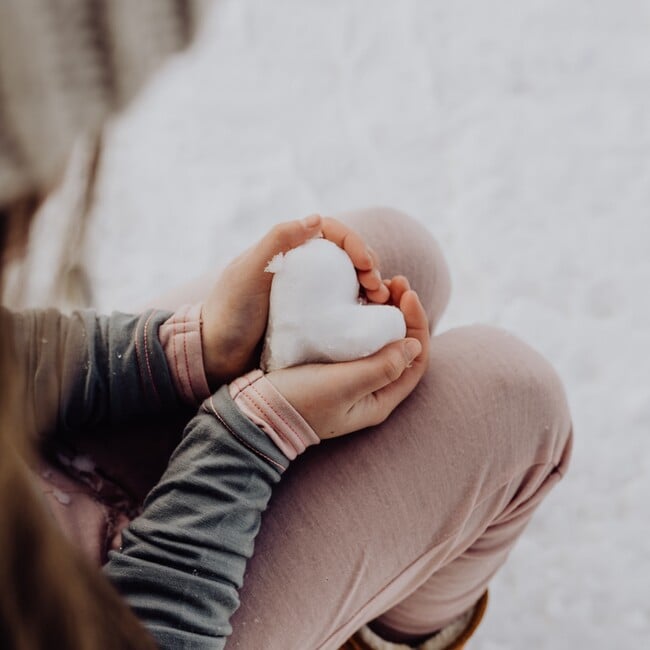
pixel 339 398
pixel 236 310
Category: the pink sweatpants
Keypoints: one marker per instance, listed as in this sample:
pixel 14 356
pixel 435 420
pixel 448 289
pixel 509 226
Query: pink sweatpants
pixel 405 524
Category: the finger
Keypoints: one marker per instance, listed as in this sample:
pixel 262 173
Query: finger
pixel 289 234
pixel 362 377
pixel 280 239
pixel 349 241
pixel 399 285
pixel 417 323
pixel 374 408
pixel 384 400
pixel 376 290
pixel 374 256
pixel 379 296
pixel 375 294
pixel 370 280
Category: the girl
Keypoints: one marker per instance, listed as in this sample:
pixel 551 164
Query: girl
pixel 399 527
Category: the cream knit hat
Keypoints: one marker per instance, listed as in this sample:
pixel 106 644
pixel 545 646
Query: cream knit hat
pixel 65 66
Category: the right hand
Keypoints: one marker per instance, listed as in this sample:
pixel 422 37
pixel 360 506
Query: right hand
pixel 235 313
pixel 338 398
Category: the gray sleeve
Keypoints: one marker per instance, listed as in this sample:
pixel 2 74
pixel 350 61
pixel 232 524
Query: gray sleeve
pixel 85 370
pixel 182 561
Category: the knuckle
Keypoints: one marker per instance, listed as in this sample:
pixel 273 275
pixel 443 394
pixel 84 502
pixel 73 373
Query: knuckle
pixel 393 367
pixel 279 237
pixel 280 231
pixel 381 414
pixel 380 417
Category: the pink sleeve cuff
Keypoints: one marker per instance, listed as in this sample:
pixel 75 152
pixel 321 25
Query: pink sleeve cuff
pixel 259 400
pixel 180 337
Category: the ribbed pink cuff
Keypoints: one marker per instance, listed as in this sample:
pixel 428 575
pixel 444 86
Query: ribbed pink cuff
pixel 259 400
pixel 180 337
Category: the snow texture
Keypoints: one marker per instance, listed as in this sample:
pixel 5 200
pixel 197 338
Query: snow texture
pixel 314 310
pixel 519 133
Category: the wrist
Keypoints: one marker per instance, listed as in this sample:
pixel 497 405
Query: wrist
pixel 181 339
pixel 213 356
pixel 258 399
pixel 223 358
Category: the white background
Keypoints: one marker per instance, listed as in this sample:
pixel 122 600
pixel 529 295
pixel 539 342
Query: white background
pixel 519 133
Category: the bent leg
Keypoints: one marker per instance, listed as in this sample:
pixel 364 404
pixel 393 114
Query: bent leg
pixel 407 521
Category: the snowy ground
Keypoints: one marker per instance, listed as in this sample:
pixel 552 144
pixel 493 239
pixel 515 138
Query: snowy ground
pixel 519 132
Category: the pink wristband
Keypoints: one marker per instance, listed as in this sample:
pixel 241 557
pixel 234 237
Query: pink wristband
pixel 180 337
pixel 259 400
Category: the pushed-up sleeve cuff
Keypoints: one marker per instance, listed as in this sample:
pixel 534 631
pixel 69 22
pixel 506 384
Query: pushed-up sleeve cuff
pixel 180 337
pixel 265 406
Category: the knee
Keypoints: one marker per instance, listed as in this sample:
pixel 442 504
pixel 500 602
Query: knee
pixel 406 247
pixel 507 386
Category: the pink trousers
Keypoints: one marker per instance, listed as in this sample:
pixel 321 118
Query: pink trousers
pixel 401 525
pixel 405 524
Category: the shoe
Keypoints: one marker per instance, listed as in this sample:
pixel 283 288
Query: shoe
pixel 451 637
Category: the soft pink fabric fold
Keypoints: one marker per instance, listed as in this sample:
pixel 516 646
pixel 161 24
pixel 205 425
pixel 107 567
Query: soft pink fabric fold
pixel 180 337
pixel 255 396
pixel 258 399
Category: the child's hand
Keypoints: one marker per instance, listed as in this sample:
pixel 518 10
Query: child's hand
pixel 339 398
pixel 236 311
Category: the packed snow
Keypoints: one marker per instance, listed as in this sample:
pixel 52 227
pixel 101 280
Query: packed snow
pixel 519 133
pixel 314 310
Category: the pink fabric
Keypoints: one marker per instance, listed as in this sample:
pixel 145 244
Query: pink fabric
pixel 402 525
pixel 89 508
pixel 258 399
pixel 180 336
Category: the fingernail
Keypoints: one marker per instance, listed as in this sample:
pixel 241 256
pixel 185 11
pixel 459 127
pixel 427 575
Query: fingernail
pixel 377 274
pixel 311 221
pixel 412 348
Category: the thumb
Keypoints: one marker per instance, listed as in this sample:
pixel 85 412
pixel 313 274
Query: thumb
pixel 283 237
pixel 365 376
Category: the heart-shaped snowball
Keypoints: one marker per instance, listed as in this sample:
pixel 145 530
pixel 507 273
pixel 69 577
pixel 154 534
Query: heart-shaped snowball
pixel 315 314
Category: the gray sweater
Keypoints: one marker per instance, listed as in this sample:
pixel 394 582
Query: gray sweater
pixel 182 561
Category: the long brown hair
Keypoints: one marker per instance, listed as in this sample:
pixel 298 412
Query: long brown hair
pixel 50 597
